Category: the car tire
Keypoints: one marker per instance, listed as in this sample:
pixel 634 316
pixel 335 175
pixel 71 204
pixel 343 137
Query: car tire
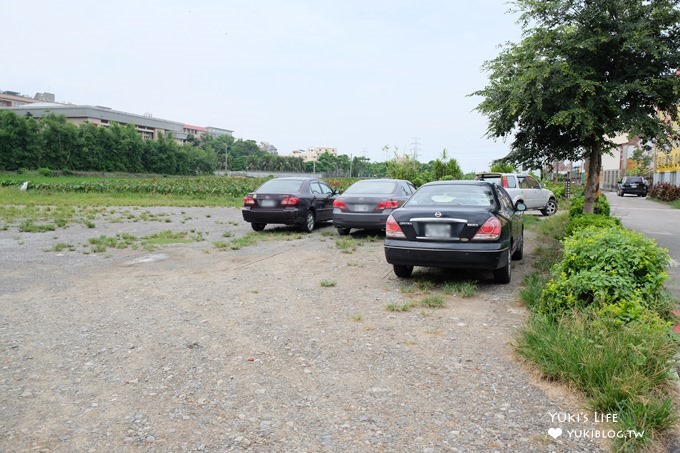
pixel 310 222
pixel 550 208
pixel 504 274
pixel 343 231
pixel 403 271
pixel 519 251
pixel 258 226
pixel 619 193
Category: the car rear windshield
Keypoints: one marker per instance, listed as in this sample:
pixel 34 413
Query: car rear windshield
pixel 281 186
pixel 634 179
pixel 371 187
pixel 445 195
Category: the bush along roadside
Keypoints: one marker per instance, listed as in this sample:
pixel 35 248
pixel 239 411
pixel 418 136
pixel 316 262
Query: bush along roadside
pixel 601 320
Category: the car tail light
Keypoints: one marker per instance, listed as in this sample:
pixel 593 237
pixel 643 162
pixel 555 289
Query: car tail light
pixel 290 201
pixel 389 204
pixel 489 231
pixel 339 204
pixel 504 181
pixel 248 201
pixel 393 230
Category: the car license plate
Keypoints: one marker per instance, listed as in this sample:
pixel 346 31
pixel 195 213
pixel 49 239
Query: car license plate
pixel 267 203
pixel 437 230
pixel 362 207
pixel 633 186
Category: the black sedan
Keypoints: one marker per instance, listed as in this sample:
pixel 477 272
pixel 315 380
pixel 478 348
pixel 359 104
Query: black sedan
pixel 636 185
pixel 289 201
pixel 367 203
pixel 456 224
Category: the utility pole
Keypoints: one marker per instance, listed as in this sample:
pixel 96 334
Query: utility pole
pixel 415 148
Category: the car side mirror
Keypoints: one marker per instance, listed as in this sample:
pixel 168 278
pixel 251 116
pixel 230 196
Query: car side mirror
pixel 520 206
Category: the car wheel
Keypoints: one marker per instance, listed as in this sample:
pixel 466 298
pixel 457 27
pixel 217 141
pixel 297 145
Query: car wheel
pixel 403 271
pixel 310 222
pixel 503 274
pixel 343 231
pixel 619 193
pixel 550 208
pixel 258 226
pixel 519 251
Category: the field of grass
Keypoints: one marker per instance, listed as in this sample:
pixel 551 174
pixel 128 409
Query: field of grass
pixel 125 191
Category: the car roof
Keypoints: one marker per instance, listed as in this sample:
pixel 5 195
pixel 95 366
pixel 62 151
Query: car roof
pixel 383 179
pixel 457 182
pixel 294 178
pixel 494 173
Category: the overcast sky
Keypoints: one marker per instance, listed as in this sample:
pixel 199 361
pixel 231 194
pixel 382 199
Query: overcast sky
pixel 355 75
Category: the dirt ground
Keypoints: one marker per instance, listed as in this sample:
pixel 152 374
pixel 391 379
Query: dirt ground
pixel 283 345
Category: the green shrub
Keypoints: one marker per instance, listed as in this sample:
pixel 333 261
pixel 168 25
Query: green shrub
pixel 44 172
pixel 579 222
pixel 557 188
pixel 601 206
pixel 606 266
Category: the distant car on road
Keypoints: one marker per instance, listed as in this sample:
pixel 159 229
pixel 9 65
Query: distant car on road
pixel 456 224
pixel 636 185
pixel 289 201
pixel 367 203
pixel 524 188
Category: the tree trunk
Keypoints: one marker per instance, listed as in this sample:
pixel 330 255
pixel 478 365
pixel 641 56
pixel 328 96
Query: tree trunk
pixel 592 189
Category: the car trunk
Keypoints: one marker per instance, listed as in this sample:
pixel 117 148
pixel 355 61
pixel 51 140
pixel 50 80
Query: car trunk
pixel 451 226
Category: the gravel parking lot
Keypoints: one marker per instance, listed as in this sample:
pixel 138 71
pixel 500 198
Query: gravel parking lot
pixel 282 345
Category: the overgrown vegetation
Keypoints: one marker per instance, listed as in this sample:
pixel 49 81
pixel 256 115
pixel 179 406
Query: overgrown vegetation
pixel 665 192
pixel 601 321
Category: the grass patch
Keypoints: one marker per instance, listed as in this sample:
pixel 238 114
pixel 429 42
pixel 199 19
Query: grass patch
pixel 622 369
pixel 432 302
pixel 11 196
pixel 27 226
pixel 465 288
pixel 327 283
pixel 61 246
pixel 347 245
pixel 152 241
pixel 399 307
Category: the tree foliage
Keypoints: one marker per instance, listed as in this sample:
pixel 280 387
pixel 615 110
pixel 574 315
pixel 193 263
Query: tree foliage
pixel 53 142
pixel 584 71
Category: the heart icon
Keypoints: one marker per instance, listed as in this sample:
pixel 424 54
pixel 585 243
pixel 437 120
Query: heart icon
pixel 555 432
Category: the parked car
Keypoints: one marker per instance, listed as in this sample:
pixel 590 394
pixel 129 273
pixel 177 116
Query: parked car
pixel 637 185
pixel 456 224
pixel 289 201
pixel 524 188
pixel 367 203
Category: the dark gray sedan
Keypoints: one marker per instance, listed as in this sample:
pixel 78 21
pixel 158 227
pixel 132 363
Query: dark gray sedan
pixel 367 203
pixel 456 224
pixel 289 201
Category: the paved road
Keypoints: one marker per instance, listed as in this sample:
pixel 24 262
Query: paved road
pixel 655 220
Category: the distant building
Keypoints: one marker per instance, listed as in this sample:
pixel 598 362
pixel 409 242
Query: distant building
pixel 146 125
pixel 313 154
pixel 14 99
pixel 667 161
pixel 264 146
pixel 44 97
pixel 218 132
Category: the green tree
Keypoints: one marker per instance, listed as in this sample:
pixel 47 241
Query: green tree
pixel 19 141
pixel 500 166
pixel 643 161
pixel 584 71
pixel 59 140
